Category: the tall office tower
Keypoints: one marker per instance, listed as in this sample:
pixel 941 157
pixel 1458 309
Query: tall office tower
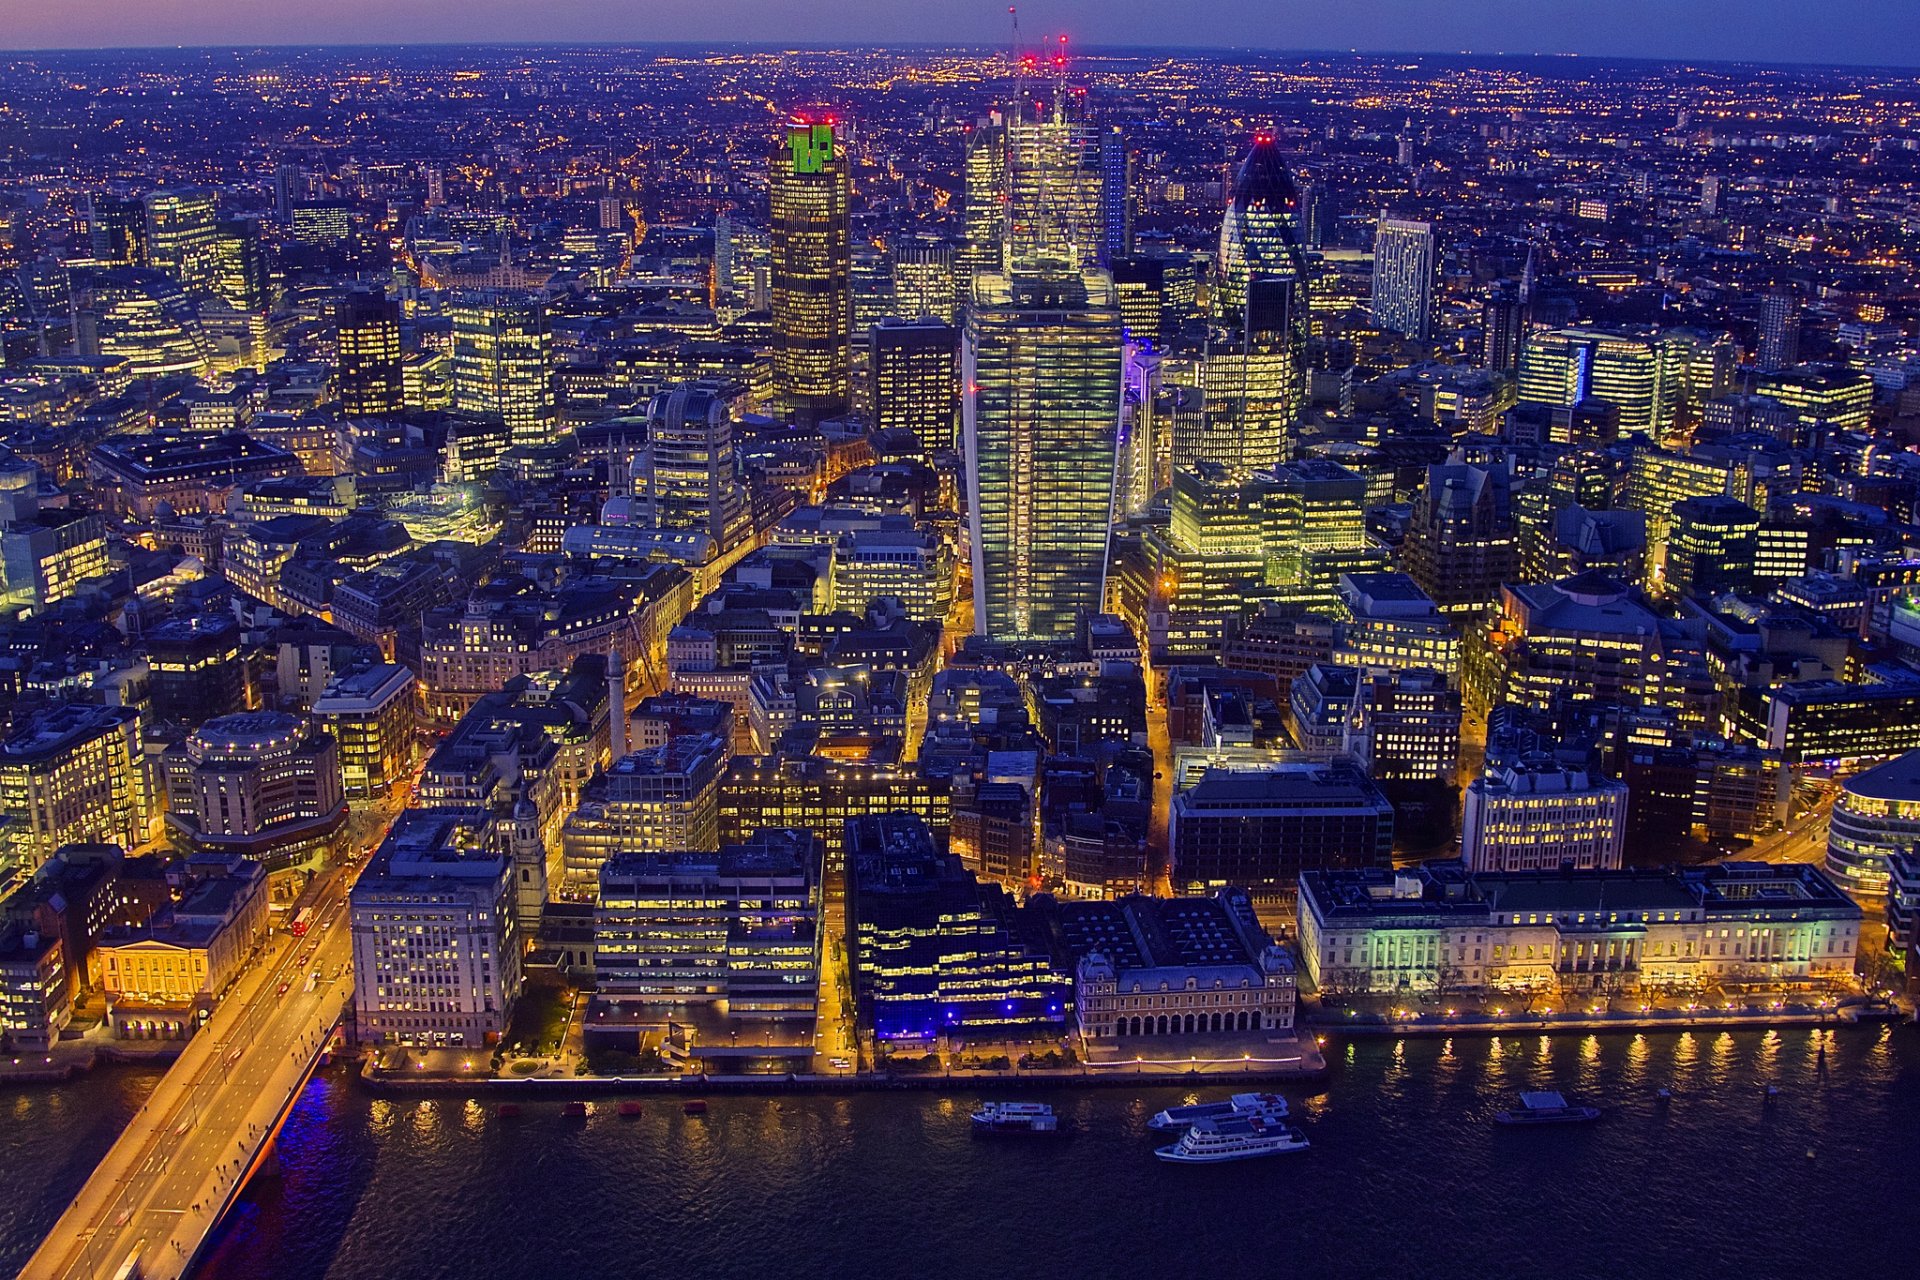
pixel 1403 153
pixel 240 276
pixel 1254 380
pixel 1504 329
pixel 1056 190
pixel 1260 235
pixel 1403 266
pixel 182 226
pixel 1254 373
pixel 923 279
pixel 812 284
pixel 1710 194
pixel 117 229
pixel 1460 539
pixel 914 366
pixel 1041 364
pixel 142 316
pixel 367 329
pixel 503 363
pixel 742 263
pixel 1315 211
pixel 687 476
pixel 289 189
pixel 1116 195
pixel 983 210
pixel 871 277
pixel 1780 330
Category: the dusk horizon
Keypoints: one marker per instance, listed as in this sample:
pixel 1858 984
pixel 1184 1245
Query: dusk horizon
pixel 1844 33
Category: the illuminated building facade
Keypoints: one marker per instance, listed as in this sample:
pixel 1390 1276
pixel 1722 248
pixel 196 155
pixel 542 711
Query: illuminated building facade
pixel 370 714
pixel 436 943
pixel 1537 816
pixel 1440 928
pixel 367 332
pixel 1875 816
pixel 73 773
pixel 687 476
pixel 736 930
pixel 1042 371
pixel 182 234
pixel 503 363
pixel 812 279
pixel 664 799
pixel 162 978
pixel 262 784
pixel 934 952
pixel 914 366
pixel 823 795
pixel 1405 258
pixel 1150 967
pixel 1711 547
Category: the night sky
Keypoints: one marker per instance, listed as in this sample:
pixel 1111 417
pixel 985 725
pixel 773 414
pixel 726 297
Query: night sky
pixel 1845 31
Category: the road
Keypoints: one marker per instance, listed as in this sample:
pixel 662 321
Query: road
pixel 1803 839
pixel 163 1185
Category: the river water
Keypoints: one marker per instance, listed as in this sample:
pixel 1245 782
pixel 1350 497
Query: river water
pixel 1407 1176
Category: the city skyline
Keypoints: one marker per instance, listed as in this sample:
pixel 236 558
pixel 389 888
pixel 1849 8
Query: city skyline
pixel 1847 33
pixel 535 575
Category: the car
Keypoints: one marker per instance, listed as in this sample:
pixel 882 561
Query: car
pixel 285 987
pixel 840 1064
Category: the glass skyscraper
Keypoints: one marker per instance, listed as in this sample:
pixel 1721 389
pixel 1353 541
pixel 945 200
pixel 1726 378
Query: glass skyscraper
pixel 1254 371
pixel 812 275
pixel 1403 265
pixel 503 363
pixel 1041 364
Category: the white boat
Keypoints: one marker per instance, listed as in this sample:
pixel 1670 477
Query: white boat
pixel 1270 1108
pixel 1015 1117
pixel 1234 1138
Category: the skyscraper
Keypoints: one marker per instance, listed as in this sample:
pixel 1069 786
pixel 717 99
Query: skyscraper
pixel 687 476
pixel 503 365
pixel 1403 265
pixel 812 272
pixel 1779 330
pixel 182 227
pixel 914 366
pixel 923 279
pixel 983 210
pixel 367 328
pixel 1260 234
pixel 1041 364
pixel 1116 195
pixel 1254 379
pixel 1254 371
pixel 1504 329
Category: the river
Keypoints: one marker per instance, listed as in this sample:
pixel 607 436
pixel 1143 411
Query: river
pixel 1407 1176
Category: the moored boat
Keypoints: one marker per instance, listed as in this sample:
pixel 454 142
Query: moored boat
pixel 630 1109
pixel 1232 1138
pixel 1546 1107
pixel 695 1107
pixel 1269 1108
pixel 1014 1118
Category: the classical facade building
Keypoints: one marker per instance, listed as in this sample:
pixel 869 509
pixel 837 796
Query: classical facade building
pixel 1149 967
pixel 1439 928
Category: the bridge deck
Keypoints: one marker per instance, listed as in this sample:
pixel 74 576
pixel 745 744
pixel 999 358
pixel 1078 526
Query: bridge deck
pixel 162 1188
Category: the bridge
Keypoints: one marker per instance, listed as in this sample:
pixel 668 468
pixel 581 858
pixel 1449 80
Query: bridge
pixel 153 1202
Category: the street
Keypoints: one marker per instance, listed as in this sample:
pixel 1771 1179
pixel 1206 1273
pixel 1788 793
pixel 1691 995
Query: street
pixel 162 1186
